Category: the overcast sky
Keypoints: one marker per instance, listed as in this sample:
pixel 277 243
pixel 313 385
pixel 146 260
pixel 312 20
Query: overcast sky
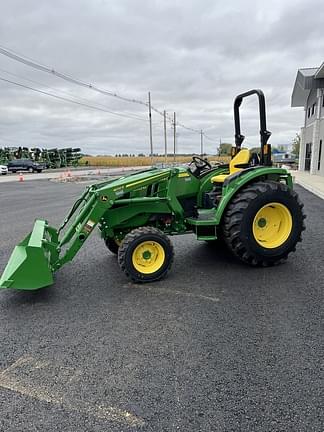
pixel 194 57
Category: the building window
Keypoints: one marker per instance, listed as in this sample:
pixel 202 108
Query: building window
pixel 319 156
pixel 308 112
pixel 308 156
pixel 313 108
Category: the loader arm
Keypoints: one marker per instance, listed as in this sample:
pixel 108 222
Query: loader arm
pixel 46 249
pixel 93 204
pixel 156 196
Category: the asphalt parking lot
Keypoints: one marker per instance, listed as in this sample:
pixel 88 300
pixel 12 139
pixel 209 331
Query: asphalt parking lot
pixel 217 346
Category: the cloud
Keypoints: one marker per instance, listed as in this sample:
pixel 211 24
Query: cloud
pixel 193 56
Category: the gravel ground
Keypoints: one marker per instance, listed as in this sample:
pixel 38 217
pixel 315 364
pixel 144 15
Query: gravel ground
pixel 217 346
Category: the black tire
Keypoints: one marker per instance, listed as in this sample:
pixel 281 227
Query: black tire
pixel 112 245
pixel 134 239
pixel 39 171
pixel 237 225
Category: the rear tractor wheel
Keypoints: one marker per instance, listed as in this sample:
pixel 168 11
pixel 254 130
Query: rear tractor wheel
pixel 146 254
pixel 263 223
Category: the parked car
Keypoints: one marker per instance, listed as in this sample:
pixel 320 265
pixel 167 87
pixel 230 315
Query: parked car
pixel 25 165
pixel 3 169
pixel 286 158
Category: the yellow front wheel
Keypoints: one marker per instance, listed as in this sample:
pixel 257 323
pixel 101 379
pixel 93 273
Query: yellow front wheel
pixel 148 257
pixel 146 254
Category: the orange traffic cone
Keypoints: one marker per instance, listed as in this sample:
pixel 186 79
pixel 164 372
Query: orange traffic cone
pixel 21 177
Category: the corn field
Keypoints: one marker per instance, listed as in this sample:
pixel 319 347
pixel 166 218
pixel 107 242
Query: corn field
pixel 112 161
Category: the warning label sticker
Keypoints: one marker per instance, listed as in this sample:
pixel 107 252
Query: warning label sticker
pixel 89 226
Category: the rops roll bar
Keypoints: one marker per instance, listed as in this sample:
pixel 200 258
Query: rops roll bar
pixel 265 157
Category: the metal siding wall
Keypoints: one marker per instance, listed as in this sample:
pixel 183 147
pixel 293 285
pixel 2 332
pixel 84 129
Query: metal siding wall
pixel 321 137
pixel 309 134
pixel 311 100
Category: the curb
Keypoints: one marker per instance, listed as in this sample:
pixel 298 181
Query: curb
pixel 310 188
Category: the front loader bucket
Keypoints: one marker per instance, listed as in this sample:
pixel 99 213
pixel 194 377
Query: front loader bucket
pixel 28 267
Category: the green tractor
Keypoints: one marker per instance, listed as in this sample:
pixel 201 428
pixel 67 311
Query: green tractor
pixel 248 204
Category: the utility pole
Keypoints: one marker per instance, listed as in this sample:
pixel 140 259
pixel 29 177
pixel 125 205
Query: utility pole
pixel 150 120
pixel 165 138
pixel 201 143
pixel 174 136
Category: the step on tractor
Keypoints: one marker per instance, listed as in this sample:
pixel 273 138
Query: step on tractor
pixel 248 205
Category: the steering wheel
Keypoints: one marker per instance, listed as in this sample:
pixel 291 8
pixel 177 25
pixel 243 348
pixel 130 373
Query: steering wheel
pixel 200 162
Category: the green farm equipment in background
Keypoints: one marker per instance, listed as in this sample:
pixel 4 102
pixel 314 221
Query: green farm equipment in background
pixel 58 158
pixel 52 158
pixel 248 203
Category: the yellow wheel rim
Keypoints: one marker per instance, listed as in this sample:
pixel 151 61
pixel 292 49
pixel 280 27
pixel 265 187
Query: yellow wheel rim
pixel 148 257
pixel 272 225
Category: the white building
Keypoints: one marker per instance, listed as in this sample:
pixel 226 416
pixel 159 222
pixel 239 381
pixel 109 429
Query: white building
pixel 308 93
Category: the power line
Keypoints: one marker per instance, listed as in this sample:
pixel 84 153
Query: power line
pixel 70 100
pixel 209 138
pixel 80 103
pixel 131 115
pixel 29 62
pixel 36 65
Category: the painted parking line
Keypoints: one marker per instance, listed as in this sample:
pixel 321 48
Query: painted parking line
pixel 54 384
pixel 159 291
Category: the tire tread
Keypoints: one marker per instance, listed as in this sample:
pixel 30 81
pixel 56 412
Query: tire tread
pixel 233 217
pixel 130 238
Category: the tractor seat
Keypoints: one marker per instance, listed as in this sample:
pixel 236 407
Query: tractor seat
pixel 242 157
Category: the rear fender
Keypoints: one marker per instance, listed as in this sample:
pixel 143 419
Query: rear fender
pixel 233 184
